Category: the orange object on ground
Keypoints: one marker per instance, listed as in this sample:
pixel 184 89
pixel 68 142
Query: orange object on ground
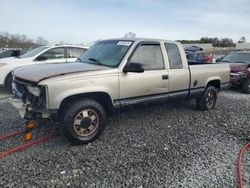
pixel 29 127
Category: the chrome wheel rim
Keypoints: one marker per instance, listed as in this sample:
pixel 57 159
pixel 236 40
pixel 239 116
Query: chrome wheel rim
pixel 86 122
pixel 210 99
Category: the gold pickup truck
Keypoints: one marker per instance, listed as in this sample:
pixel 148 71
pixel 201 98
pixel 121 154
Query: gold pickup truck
pixel 112 74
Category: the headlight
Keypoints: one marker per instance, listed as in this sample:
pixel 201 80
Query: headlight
pixel 2 64
pixel 34 90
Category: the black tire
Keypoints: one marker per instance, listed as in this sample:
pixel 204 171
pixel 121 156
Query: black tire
pixel 208 99
pixel 8 83
pixel 246 86
pixel 75 133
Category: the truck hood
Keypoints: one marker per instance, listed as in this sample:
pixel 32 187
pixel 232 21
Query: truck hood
pixel 237 67
pixel 36 73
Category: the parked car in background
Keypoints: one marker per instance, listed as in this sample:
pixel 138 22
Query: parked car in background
pixel 40 55
pixel 240 69
pixel 195 57
pixel 12 52
pixel 112 74
pixel 218 58
pixel 193 49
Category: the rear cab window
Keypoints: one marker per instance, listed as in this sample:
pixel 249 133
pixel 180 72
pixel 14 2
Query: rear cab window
pixel 174 56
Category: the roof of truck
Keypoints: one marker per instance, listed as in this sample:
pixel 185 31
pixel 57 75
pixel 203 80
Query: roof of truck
pixel 141 39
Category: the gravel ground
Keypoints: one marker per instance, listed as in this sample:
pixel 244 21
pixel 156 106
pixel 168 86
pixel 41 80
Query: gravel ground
pixel 164 145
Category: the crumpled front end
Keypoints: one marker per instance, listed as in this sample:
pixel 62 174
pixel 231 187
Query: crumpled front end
pixel 29 99
pixel 239 72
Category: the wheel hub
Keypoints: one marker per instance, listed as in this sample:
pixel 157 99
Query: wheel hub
pixel 86 122
pixel 210 99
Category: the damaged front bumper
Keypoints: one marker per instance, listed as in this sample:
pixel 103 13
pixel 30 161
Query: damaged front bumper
pixel 26 111
pixel 19 105
pixel 237 77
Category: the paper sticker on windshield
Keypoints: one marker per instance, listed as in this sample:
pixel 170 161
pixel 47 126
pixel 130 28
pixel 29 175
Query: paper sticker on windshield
pixel 124 43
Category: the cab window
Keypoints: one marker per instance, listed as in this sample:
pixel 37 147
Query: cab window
pixel 55 53
pixel 75 52
pixel 174 56
pixel 150 56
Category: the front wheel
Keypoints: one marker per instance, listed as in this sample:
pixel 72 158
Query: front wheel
pixel 246 86
pixel 208 99
pixel 83 121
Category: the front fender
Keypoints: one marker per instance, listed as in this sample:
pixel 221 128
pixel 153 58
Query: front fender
pixel 54 101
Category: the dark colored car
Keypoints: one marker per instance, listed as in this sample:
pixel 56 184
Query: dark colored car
pixel 240 69
pixel 193 49
pixel 12 52
pixel 195 58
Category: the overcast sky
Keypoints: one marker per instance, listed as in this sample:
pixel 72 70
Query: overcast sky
pixel 83 21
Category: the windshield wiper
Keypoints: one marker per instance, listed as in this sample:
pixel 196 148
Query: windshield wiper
pixel 225 61
pixel 97 62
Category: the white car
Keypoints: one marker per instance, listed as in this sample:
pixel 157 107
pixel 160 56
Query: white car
pixel 40 55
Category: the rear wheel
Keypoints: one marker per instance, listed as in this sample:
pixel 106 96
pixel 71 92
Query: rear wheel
pixel 83 121
pixel 246 86
pixel 8 83
pixel 208 99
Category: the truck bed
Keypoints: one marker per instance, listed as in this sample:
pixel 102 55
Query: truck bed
pixel 203 73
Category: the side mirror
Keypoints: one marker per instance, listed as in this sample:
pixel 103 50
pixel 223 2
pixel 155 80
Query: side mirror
pixel 41 58
pixel 133 67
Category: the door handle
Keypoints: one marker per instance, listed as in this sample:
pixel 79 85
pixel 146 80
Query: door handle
pixel 164 77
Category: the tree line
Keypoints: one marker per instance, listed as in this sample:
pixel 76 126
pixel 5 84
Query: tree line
pixel 223 42
pixel 8 40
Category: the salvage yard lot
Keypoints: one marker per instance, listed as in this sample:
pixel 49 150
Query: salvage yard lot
pixel 165 145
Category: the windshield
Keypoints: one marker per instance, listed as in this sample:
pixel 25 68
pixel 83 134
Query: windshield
pixel 34 52
pixel 106 53
pixel 237 58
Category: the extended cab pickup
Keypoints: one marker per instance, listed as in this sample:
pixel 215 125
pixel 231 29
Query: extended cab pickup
pixel 111 74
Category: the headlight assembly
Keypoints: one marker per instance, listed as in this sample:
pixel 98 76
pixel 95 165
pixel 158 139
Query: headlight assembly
pixel 36 91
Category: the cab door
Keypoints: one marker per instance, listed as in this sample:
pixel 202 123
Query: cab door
pixel 150 84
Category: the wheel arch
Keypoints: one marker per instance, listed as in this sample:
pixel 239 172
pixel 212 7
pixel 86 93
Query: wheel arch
pixel 214 82
pixel 101 97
